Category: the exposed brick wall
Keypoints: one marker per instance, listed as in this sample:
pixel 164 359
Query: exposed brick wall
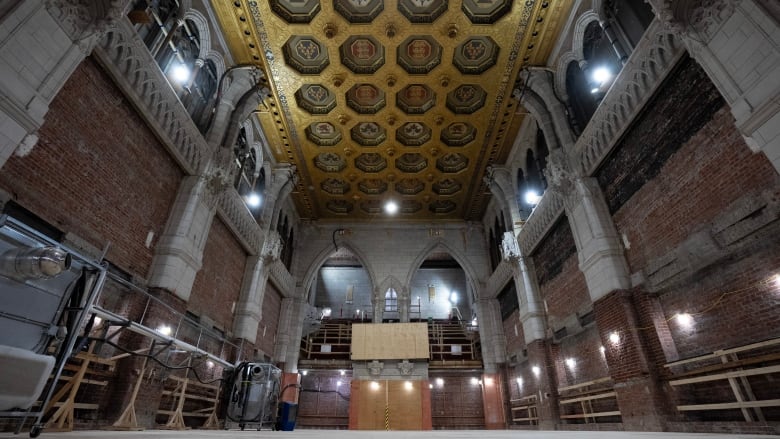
pixel 458 403
pixel 554 250
pixel 565 294
pixel 681 107
pixel 218 283
pixel 513 331
pixel 589 361
pixel 97 171
pixel 323 402
pixel 269 323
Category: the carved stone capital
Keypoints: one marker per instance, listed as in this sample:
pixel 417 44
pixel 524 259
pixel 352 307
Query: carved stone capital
pixel 510 250
pixel 559 175
pixel 272 247
pixel 405 367
pixel 375 368
pixel 85 21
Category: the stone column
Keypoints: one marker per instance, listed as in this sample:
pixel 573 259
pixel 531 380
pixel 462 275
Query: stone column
pixel 41 44
pixel 737 42
pixel 404 303
pixel 290 331
pixel 179 254
pixel 491 334
pixel 249 309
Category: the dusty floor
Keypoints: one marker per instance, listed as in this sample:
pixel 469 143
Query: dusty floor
pixel 342 434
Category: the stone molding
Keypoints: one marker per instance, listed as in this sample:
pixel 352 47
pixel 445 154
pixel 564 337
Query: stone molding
pixel 136 72
pixel 239 219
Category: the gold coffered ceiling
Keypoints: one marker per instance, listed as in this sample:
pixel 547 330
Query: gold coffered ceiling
pixel 404 100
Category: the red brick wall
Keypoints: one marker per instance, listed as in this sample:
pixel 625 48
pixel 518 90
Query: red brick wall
pixel 515 342
pixel 269 323
pixel 97 171
pixel 323 402
pixel 709 172
pixel 566 293
pixel 589 361
pixel 218 283
pixel 458 403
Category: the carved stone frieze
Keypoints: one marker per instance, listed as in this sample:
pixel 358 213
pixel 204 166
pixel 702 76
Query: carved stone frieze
pixel 405 367
pixel 510 250
pixel 375 368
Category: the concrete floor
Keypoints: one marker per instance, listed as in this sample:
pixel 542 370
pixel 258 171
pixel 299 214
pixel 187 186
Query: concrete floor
pixel 342 434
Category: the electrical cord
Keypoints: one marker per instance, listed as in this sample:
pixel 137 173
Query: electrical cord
pixel 155 359
pixel 345 397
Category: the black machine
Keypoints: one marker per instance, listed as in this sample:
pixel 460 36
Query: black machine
pixel 252 396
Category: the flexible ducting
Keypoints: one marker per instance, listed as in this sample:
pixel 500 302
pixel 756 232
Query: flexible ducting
pixel 34 262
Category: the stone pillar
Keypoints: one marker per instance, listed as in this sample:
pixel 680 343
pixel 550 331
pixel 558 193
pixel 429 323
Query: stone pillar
pixel 283 180
pixel 289 332
pixel 249 309
pixel 599 247
pixel 378 305
pixel 491 334
pixel 179 253
pixel 738 44
pixel 404 303
pixel 41 44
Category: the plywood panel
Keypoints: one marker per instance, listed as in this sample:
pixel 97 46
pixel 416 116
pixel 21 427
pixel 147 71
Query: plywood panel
pixel 389 341
pixel 405 405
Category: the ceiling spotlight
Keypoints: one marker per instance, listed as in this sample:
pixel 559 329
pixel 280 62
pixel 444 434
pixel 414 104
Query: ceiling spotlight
pixel 532 198
pixel 684 319
pixel 391 207
pixel 180 73
pixel 601 75
pixel 253 200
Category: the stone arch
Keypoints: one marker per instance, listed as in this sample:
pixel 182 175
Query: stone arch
pixel 583 21
pixel 472 279
pixel 322 256
pixel 560 73
pixel 204 34
pixel 218 60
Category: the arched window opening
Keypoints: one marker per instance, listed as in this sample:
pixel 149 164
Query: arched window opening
pixel 201 94
pixel 495 244
pixel 246 161
pixel 287 250
pixel 391 300
pixel 541 157
pixel 522 187
pixel 629 19
pixel 153 20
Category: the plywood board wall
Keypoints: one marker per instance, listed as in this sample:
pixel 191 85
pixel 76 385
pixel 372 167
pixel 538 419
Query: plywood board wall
pixel 389 341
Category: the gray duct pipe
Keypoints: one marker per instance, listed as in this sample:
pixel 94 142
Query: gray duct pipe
pixel 34 262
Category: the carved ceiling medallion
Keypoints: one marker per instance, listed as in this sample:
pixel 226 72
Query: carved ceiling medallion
pixel 315 98
pixel 475 55
pixel 305 54
pixel 413 134
pixel 415 99
pixel 411 162
pixel 409 186
pixel 370 162
pixel 340 206
pixel 458 134
pixel 329 162
pixel 442 207
pixel 335 186
pixel 368 134
pixel 446 186
pixel 466 99
pixel 323 133
pixel 485 11
pixel 419 54
pixel 422 11
pixel 359 11
pixel 410 206
pixel 362 54
pixel 372 186
pixel 365 98
pixel 452 162
pixel 296 11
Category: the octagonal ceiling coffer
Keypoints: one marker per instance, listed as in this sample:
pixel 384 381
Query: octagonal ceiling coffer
pixel 339 207
pixel 305 54
pixel 315 98
pixel 485 11
pixel 370 162
pixel 366 98
pixel 372 186
pixel 452 162
pixel 329 162
pixel 442 207
pixel 296 11
pixel 422 11
pixel 411 162
pixel 475 55
pixel 458 134
pixel 335 186
pixel 323 133
pixel 410 206
pixel 446 186
pixel 409 186
pixel 413 134
pixel 368 134
pixel 359 11
pixel 415 99
pixel 362 54
pixel 419 54
pixel 466 99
